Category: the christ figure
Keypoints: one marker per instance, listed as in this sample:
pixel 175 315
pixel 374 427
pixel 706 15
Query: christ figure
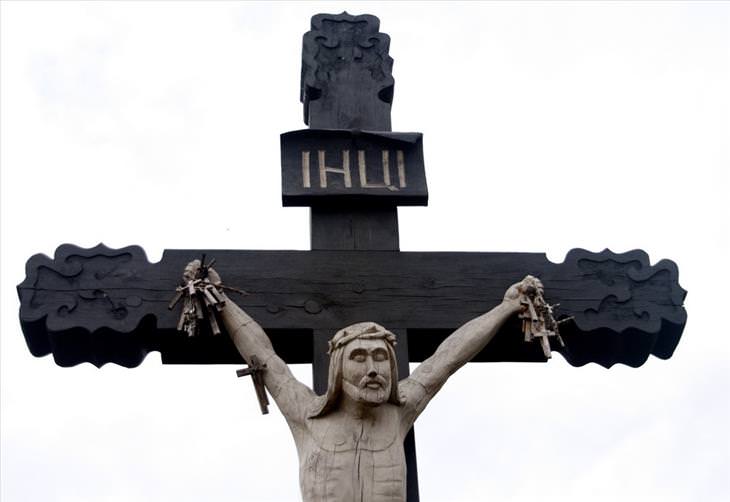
pixel 350 440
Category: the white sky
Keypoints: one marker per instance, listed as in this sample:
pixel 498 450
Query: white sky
pixel 547 126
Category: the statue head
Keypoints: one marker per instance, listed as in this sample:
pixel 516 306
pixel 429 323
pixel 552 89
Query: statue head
pixel 362 368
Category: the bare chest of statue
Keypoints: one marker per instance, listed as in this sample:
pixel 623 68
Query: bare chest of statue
pixel 344 459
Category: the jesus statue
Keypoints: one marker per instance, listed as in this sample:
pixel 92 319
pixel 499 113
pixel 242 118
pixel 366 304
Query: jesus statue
pixel 350 440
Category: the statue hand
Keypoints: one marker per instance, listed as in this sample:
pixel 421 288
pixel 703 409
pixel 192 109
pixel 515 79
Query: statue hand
pixel 193 271
pixel 201 292
pixel 529 286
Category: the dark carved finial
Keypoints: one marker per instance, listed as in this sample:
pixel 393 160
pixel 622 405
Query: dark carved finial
pixel 346 73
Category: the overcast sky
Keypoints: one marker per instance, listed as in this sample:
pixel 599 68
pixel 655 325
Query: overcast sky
pixel 547 126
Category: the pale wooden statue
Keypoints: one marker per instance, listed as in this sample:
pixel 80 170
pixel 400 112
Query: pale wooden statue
pixel 350 440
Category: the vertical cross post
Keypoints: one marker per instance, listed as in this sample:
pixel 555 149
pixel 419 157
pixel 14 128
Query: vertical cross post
pixel 347 85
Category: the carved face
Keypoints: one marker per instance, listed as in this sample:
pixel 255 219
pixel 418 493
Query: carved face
pixel 366 372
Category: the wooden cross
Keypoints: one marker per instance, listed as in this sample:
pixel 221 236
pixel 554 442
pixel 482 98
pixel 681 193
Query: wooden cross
pixel 110 305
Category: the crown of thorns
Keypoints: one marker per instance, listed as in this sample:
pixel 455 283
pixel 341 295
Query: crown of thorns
pixel 371 332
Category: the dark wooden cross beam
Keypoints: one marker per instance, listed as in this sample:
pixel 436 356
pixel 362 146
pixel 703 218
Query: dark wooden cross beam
pixel 104 305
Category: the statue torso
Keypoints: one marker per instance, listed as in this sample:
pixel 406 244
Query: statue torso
pixel 343 458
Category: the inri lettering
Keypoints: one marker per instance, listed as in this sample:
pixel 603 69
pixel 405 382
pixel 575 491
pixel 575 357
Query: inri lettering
pixel 325 170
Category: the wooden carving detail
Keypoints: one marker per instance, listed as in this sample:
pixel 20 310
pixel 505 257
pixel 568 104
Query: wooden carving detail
pixel 628 308
pixel 638 295
pixel 346 73
pixel 89 305
pixel 103 305
pixel 99 285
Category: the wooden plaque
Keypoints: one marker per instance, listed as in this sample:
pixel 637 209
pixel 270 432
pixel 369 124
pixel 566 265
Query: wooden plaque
pixel 352 168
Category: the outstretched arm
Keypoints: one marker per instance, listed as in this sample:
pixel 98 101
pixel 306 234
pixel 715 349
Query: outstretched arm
pixel 291 396
pixel 460 347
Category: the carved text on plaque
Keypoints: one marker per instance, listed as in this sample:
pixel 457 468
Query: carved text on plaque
pixel 395 182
